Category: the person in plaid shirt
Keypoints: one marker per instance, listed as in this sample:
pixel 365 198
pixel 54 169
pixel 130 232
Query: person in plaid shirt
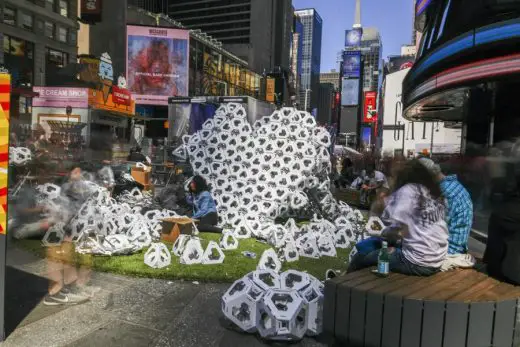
pixel 460 208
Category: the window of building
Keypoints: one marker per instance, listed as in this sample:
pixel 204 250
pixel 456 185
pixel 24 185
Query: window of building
pixel 27 21
pixel 9 16
pixel 56 58
pixel 19 59
pixel 62 34
pixel 49 30
pixel 64 8
pixel 51 4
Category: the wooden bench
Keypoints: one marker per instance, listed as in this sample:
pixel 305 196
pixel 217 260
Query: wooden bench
pixel 459 308
pixel 352 197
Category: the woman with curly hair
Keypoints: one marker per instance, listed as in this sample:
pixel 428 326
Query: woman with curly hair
pixel 204 207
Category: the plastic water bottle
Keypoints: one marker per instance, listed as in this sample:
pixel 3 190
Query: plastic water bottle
pixel 383 268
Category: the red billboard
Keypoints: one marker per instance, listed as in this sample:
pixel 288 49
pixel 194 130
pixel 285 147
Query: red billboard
pixel 370 110
pixel 121 96
pixel 91 11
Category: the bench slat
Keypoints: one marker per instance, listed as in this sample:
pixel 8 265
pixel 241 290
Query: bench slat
pixel 412 322
pixel 329 307
pixel 480 324
pixel 342 315
pixel 421 283
pixel 456 286
pixel 357 317
pixel 433 324
pixel 455 327
pixel 374 319
pixel 392 321
pixel 505 318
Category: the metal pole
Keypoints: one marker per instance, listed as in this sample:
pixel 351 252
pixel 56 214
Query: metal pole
pixel 431 144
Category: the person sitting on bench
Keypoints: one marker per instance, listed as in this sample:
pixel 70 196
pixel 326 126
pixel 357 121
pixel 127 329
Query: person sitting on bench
pixel 416 213
pixel 204 207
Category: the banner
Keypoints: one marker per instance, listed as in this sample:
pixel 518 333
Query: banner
pixel 370 110
pixel 5 97
pixel 350 92
pixel 351 64
pixel 157 63
pixel 353 37
pixel 61 97
pixel 99 99
pixel 270 90
pixel 91 11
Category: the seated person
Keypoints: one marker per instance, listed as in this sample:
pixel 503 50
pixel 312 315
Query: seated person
pixel 460 208
pixel 137 156
pixel 416 211
pixel 374 180
pixel 347 173
pixel 204 207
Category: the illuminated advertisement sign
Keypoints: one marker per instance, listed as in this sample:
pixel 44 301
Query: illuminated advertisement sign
pixel 370 111
pixel 157 63
pixel 5 97
pixel 91 10
pixel 398 63
pixel 270 90
pixel 349 92
pixel 351 64
pixel 353 37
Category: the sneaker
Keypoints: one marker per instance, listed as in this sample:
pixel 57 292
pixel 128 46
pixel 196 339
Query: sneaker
pixel 63 298
pixel 75 294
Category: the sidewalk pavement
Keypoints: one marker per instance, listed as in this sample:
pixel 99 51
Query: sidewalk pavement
pixel 127 312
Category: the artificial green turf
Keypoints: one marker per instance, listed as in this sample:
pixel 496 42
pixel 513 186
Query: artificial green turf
pixel 235 265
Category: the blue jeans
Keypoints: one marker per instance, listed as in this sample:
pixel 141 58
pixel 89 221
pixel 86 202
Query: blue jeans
pixel 398 263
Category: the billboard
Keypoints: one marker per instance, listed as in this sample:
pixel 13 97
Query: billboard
pixel 398 63
pixel 351 64
pixel 157 63
pixel 350 92
pixel 353 37
pixel 370 110
pixel 91 11
pixel 270 90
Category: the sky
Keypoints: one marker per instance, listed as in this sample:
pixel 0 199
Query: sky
pixel 393 18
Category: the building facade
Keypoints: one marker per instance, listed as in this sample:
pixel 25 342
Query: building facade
pixel 39 36
pixel 325 103
pixel 311 60
pixel 257 31
pixel 372 52
pixel 296 57
pixel 331 77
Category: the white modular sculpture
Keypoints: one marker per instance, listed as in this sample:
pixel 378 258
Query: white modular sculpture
pixel 228 241
pixel 269 261
pixel 193 252
pixel 280 308
pixel 54 236
pixel 213 254
pixel 158 256
pixel 180 244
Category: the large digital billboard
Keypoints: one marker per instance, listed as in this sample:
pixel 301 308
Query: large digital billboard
pixel 353 37
pixel 157 63
pixel 350 92
pixel 370 111
pixel 351 64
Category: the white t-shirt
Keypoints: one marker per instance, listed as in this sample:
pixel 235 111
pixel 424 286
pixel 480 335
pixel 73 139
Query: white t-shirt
pixel 380 177
pixel 426 242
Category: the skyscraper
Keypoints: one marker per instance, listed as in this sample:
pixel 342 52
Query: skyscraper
pixel 257 31
pixel 311 60
pixel 296 56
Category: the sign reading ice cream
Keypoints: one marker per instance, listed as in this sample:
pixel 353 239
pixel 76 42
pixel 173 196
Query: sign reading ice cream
pixel 61 97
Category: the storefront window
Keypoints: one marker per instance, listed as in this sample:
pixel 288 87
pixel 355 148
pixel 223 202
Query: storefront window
pixel 9 16
pixel 64 8
pixel 56 58
pixel 49 30
pixel 27 21
pixel 62 34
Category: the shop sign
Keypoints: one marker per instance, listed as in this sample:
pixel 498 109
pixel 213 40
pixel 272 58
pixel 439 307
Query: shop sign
pixel 61 97
pixel 121 96
pixel 99 100
pixel 370 111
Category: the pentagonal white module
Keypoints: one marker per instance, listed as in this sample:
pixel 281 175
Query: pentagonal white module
pixel 374 226
pixel 193 252
pixel 49 190
pixel 276 235
pixel 228 241
pixel 269 261
pixel 326 245
pixel 341 239
pixel 213 254
pixel 299 200
pixel 180 244
pixel 266 279
pixel 321 136
pixel 308 246
pixel 313 298
pixel 157 256
pixel 294 280
pixel 240 304
pixel 290 252
pixel 242 231
pixel 54 235
pixel 289 312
